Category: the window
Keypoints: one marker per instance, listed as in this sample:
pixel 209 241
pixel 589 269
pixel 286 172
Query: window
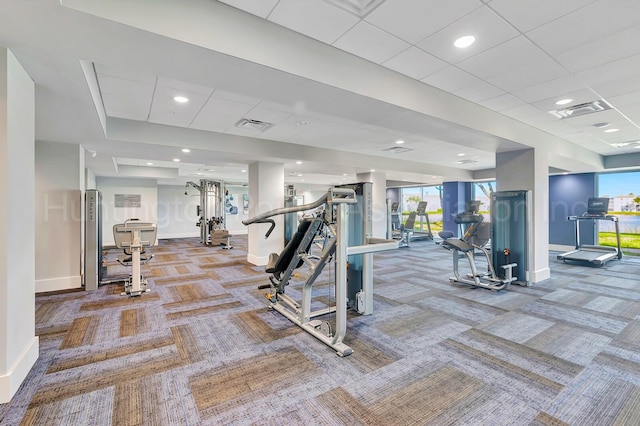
pixel 410 197
pixel 624 191
pixel 482 192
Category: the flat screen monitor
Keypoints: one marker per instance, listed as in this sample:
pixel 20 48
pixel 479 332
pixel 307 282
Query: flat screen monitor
pixel 598 206
pixel 472 206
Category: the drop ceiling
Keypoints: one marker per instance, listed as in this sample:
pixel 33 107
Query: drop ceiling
pixel 339 80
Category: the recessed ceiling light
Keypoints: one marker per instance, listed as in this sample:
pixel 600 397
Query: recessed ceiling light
pixel 601 125
pixel 299 174
pixel 404 180
pixel 611 130
pixel 399 142
pixel 199 173
pixel 563 101
pixel 301 180
pixel 344 174
pixel 461 154
pixel 149 164
pixel 464 42
pixel 186 150
pixel 373 170
pixel 243 171
pixel 298 162
pixel 177 160
pixel 180 99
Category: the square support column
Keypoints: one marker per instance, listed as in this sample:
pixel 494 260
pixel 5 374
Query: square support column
pixel 528 169
pixel 266 192
pixel 18 342
pixel 378 201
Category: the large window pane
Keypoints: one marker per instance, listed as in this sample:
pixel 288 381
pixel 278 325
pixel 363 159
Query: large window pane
pixel 624 191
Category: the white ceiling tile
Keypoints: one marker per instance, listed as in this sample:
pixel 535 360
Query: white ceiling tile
pixel 413 20
pixel 602 50
pixel 219 114
pixel 371 43
pixel 618 70
pixel 626 100
pixel 501 102
pixel 123 72
pixel 528 114
pixel 528 14
pixel 316 19
pixel 125 98
pixel 478 92
pixel 129 108
pixel 451 79
pixel 557 89
pixel 262 112
pixel 164 110
pixel 415 63
pixel 618 87
pixel 577 97
pixel 230 96
pixel 259 8
pixel 182 86
pixel 592 22
pixel 510 55
pixel 488 28
pixel 586 122
pixel 528 75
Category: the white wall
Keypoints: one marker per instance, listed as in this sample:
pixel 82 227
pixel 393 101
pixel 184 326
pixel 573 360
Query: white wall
pixel 90 179
pixel 18 343
pixel 234 221
pixel 147 212
pixel 58 215
pixel 177 213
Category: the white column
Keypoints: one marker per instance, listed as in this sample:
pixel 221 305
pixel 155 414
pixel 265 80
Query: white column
pixel 529 169
pixel 266 192
pixel 379 201
pixel 18 343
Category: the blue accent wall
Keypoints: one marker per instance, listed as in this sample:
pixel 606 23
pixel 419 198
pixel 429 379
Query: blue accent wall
pixel 454 197
pixel 568 195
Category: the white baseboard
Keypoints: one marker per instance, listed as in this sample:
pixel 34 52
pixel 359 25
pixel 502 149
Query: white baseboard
pixel 61 283
pixel 257 260
pixel 10 382
pixel 541 275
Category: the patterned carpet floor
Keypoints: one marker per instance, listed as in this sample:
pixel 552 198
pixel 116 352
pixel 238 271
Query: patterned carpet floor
pixel 201 348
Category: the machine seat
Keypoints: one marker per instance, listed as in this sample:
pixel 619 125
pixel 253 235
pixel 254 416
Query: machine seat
pixel 278 263
pixel 457 244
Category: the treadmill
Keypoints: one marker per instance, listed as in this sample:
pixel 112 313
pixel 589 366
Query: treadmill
pixel 597 209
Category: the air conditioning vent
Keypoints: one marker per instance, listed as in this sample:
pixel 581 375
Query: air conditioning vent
pixel 581 109
pixel 249 124
pixel 360 8
pixel 397 149
pixel 466 161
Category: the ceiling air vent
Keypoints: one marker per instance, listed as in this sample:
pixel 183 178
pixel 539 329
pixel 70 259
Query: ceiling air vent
pixel 249 124
pixel 466 161
pixel 360 8
pixel 581 109
pixel 397 149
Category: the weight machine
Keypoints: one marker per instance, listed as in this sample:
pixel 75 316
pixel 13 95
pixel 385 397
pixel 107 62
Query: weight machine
pixel 510 234
pixel 133 236
pixel 353 284
pixel 212 213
